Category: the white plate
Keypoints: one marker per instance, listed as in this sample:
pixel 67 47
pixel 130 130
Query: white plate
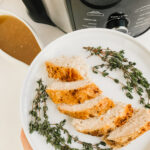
pixel 70 45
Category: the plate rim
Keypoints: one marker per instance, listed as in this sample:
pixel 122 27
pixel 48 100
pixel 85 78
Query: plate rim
pixel 125 36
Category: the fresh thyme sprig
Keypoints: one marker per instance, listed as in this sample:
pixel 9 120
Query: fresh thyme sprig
pixel 55 134
pixel 134 79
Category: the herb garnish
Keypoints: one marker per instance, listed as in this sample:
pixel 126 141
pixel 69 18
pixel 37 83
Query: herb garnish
pixel 55 134
pixel 134 79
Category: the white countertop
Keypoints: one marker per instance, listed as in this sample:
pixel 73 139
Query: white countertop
pixel 10 83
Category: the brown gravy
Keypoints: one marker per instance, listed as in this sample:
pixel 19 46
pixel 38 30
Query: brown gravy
pixel 17 40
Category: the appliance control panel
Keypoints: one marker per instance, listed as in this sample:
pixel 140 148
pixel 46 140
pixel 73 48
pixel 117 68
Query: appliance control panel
pixel 128 16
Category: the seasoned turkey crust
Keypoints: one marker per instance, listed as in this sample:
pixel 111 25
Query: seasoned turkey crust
pixel 74 96
pixel 62 73
pixel 138 124
pixel 106 123
pixel 92 108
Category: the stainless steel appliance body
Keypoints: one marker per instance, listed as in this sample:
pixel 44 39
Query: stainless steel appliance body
pixel 129 16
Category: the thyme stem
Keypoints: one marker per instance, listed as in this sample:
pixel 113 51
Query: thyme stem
pixel 133 77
